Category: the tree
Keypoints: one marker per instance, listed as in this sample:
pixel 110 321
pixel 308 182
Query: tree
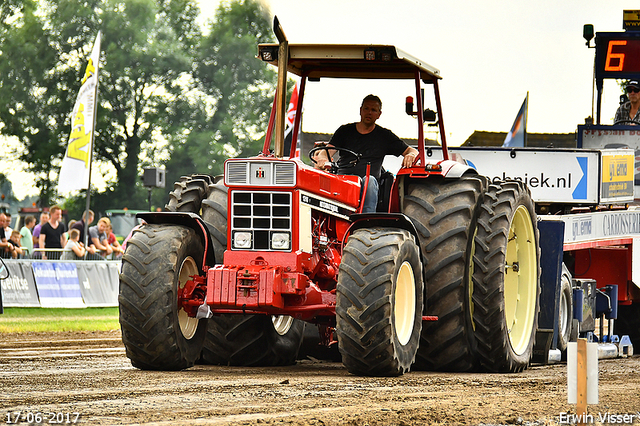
pixel 6 190
pixel 165 90
pixel 234 94
pixel 149 51
pixel 148 46
pixel 35 87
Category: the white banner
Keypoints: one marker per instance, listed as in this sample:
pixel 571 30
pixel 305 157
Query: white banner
pixel 74 173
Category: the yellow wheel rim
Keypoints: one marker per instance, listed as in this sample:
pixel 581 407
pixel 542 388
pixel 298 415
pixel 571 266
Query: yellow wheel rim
pixel 188 325
pixel 404 310
pixel 520 281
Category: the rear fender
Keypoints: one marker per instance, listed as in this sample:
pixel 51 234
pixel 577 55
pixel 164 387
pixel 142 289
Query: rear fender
pixel 454 169
pixel 190 220
pixel 384 220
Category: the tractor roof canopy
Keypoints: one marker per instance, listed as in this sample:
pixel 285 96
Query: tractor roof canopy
pixel 350 61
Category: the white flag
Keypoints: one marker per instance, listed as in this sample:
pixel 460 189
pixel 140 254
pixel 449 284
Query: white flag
pixel 74 173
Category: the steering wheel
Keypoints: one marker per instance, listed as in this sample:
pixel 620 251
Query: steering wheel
pixel 333 166
pixel 626 121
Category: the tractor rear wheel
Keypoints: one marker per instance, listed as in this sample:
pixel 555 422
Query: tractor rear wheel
pixel 379 302
pixel 156 332
pixel 188 193
pixel 252 340
pixel 214 213
pixel 443 212
pixel 506 278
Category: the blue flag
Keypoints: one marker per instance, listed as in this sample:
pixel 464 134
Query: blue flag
pixel 516 135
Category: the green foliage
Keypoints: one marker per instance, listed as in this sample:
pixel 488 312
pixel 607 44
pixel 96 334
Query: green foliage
pixel 165 89
pixel 35 77
pixel 233 97
pixel 6 190
pixel 148 49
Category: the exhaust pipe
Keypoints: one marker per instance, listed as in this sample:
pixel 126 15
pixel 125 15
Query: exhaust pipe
pixel 281 90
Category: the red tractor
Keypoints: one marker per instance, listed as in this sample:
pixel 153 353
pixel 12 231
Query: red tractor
pixel 444 277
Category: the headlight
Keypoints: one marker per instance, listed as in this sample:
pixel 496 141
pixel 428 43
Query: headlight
pixel 242 240
pixel 280 241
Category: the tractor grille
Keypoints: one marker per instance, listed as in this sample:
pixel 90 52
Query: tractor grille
pixel 260 173
pixel 261 214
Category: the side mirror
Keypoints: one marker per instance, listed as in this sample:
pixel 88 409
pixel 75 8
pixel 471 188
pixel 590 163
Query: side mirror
pixel 429 115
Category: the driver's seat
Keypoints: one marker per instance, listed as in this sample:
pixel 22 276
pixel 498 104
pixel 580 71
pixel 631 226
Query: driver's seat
pixel 384 192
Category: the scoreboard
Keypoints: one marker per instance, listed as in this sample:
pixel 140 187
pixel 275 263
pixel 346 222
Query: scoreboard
pixel 618 55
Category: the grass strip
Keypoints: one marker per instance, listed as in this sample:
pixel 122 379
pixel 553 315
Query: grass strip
pixel 25 320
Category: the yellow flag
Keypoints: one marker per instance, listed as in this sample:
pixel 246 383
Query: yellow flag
pixel 74 173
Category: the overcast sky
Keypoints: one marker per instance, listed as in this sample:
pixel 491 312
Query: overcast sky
pixel 490 54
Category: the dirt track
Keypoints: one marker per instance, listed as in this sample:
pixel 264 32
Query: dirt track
pixel 89 374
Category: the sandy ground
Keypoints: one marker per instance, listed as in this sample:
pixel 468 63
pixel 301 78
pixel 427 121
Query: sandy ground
pixel 60 374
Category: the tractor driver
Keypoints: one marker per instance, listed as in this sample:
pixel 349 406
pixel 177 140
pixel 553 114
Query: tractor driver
pixel 373 142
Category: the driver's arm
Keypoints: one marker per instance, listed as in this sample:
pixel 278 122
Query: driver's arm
pixel 409 156
pixel 321 157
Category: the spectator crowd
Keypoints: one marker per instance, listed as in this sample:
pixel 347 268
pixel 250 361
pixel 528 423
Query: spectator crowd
pixel 52 239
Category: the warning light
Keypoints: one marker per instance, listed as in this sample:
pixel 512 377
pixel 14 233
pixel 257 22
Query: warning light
pixel 408 105
pixel 370 55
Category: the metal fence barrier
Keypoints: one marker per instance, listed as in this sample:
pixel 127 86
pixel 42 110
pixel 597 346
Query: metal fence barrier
pixel 56 254
pixel 59 283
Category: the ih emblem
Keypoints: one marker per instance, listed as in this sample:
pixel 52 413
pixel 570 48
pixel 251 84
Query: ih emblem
pixel 260 173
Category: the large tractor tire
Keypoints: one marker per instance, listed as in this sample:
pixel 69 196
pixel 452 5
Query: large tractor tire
pixel 506 277
pixel 188 193
pixel 158 261
pixel 252 340
pixel 565 309
pixel 443 212
pixel 379 302
pixel 214 213
pixel 628 323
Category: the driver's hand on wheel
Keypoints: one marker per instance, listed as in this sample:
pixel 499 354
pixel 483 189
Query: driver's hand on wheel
pixel 322 162
pixel 324 165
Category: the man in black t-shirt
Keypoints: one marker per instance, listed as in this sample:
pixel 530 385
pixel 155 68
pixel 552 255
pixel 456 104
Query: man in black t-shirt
pixel 373 142
pixel 52 234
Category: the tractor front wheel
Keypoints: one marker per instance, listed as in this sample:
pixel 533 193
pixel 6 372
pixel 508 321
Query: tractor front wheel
pixel 379 302
pixel 156 332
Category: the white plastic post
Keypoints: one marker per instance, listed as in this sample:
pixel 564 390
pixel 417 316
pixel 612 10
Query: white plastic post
pixel 582 377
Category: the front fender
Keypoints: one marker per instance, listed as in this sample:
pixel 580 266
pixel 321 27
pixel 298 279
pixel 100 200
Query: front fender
pixel 190 220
